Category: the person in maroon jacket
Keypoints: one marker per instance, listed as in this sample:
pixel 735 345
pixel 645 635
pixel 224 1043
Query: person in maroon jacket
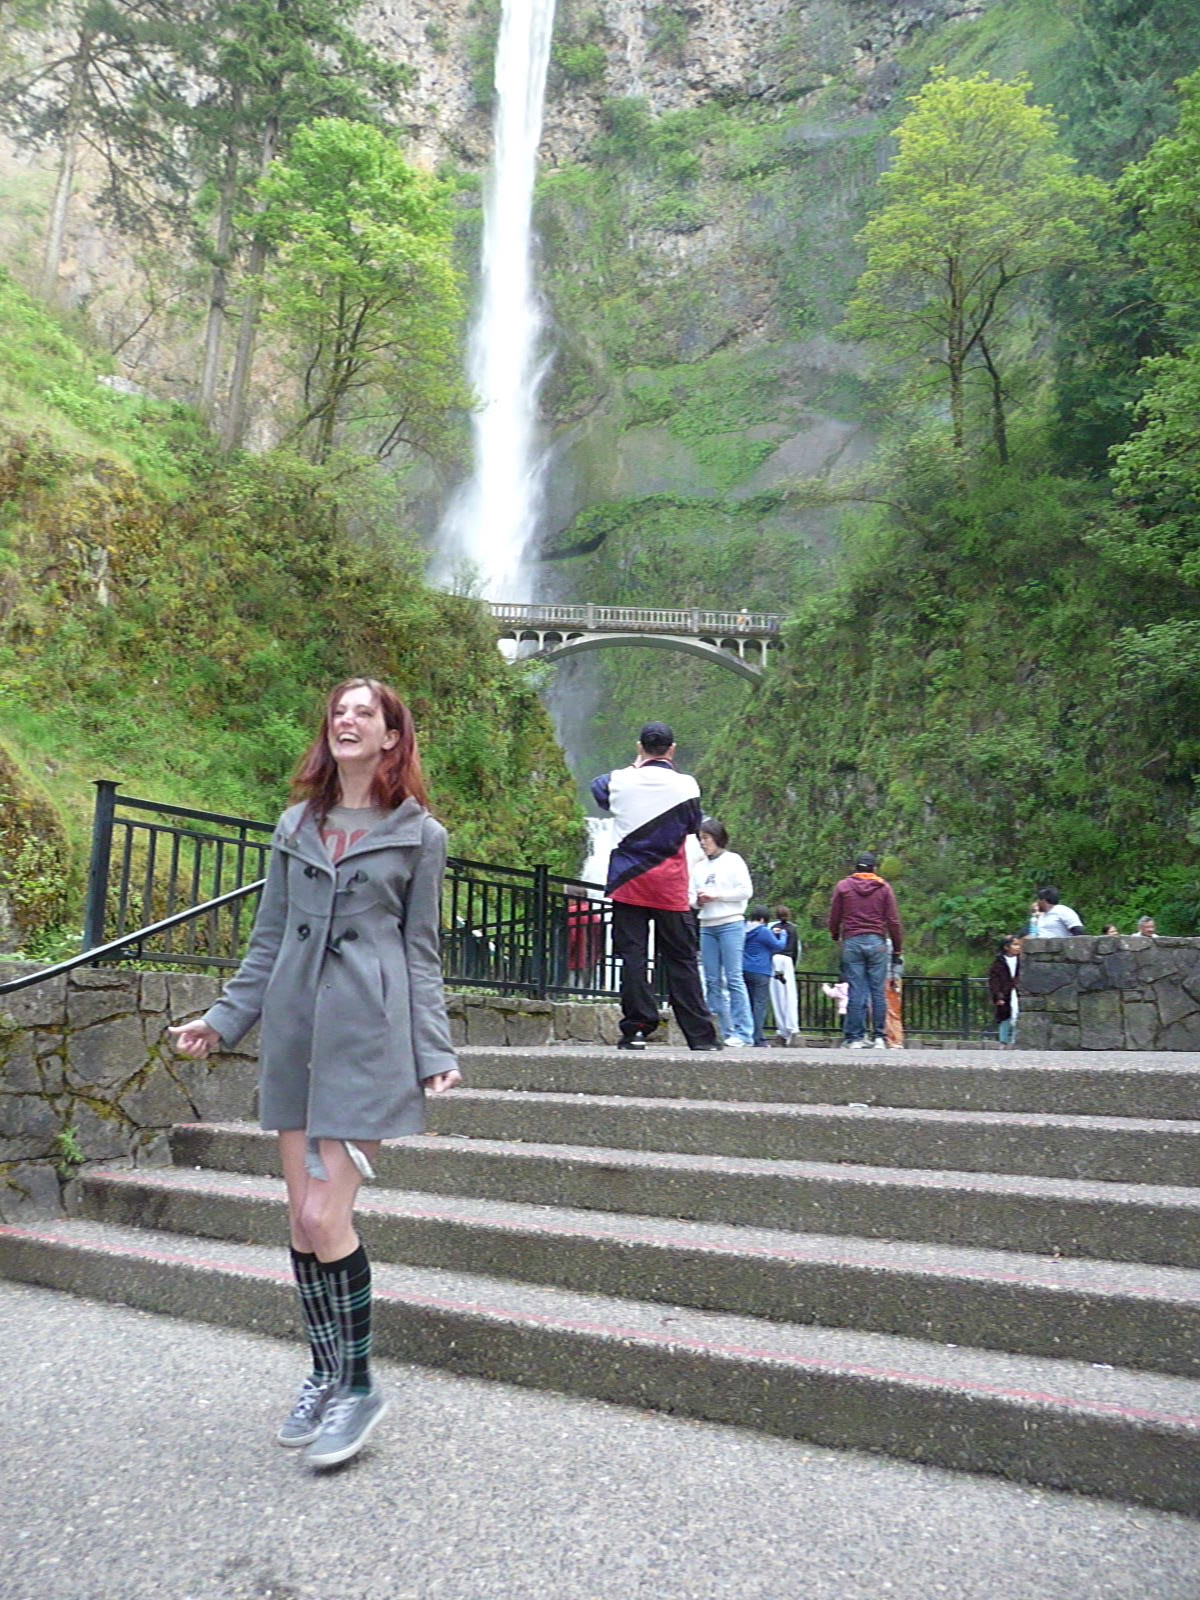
pixel 863 916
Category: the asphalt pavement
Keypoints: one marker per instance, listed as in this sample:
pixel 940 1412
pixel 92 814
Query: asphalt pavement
pixel 138 1462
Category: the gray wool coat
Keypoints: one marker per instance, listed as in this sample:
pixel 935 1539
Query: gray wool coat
pixel 344 970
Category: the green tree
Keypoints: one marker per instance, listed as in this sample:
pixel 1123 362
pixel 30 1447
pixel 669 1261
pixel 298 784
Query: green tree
pixel 100 84
pixel 1156 472
pixel 365 285
pixel 979 199
pixel 266 68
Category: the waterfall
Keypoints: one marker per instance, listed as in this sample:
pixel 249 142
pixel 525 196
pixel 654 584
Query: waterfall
pixel 491 521
pixel 600 843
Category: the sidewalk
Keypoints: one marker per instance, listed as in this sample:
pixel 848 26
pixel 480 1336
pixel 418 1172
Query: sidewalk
pixel 139 1464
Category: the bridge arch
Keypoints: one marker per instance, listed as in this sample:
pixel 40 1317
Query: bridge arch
pixel 576 644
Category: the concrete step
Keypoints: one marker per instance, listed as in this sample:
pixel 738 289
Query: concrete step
pixel 1112 1149
pixel 1069 1083
pixel 1062 1423
pixel 1157 1223
pixel 1124 1315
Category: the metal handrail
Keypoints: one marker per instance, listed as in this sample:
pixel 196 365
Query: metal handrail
pixel 100 952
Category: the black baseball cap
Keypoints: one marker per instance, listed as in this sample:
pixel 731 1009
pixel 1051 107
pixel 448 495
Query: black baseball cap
pixel 864 861
pixel 656 737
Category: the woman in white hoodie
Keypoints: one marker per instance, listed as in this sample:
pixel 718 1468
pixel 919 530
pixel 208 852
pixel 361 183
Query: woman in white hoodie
pixel 721 890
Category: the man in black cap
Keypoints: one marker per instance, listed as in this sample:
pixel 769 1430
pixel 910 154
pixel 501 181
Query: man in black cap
pixel 654 808
pixel 864 917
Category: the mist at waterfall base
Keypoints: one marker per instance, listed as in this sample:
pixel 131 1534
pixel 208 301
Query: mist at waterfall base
pixel 491 524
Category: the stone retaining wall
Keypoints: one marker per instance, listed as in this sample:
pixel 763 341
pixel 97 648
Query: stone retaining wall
pixel 87 1074
pixel 1110 993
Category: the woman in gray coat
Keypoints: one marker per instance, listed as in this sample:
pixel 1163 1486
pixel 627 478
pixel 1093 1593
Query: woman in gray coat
pixel 343 969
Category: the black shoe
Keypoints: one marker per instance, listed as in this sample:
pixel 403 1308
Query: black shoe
pixel 713 1046
pixel 633 1041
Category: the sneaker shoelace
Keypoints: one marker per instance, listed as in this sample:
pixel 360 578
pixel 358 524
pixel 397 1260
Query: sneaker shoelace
pixel 309 1398
pixel 339 1410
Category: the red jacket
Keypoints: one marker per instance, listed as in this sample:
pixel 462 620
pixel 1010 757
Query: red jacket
pixel 864 903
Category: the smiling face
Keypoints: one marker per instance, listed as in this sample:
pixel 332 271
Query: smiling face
pixel 358 731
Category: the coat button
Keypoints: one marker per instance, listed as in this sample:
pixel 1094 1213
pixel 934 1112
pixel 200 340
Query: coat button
pixel 310 872
pixel 350 935
pixel 303 931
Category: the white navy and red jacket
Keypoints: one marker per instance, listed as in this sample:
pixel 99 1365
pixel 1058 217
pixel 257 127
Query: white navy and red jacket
pixel 653 808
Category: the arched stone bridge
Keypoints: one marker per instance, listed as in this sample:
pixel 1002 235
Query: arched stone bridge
pixel 742 641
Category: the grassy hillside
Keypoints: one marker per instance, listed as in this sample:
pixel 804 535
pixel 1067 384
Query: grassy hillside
pixel 172 622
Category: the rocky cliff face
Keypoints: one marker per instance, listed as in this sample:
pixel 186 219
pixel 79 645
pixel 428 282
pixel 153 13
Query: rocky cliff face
pixel 672 55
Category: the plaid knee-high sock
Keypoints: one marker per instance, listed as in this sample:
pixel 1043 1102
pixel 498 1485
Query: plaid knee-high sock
pixel 320 1322
pixel 349 1285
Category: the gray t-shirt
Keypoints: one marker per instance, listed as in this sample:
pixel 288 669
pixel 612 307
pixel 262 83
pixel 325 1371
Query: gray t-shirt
pixel 345 825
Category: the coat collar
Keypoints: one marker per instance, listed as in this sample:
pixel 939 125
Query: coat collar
pixel 298 832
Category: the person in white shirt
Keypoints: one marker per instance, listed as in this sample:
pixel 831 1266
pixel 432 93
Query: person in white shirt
pixel 721 890
pixel 1055 920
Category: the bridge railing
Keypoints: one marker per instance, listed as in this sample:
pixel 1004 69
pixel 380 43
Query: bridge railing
pixel 642 619
pixel 179 887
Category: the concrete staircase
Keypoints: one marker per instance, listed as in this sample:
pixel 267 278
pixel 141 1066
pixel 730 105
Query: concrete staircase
pixel 983 1260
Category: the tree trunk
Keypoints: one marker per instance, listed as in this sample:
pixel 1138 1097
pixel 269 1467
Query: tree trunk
pixel 999 421
pixel 239 383
pixel 956 354
pixel 64 183
pixel 218 293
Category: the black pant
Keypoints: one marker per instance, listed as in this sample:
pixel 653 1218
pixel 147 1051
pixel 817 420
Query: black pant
pixel 677 943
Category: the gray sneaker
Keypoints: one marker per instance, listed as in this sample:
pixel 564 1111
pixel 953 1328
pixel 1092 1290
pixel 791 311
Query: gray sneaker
pixel 303 1422
pixel 345 1427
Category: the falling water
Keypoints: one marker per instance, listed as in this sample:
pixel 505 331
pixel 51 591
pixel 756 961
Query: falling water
pixel 489 526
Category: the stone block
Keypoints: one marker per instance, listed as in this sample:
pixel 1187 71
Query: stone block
pixel 222 1089
pixel 29 1122
pixel 1063 1036
pixel 1181 1035
pixel 157 1102
pixel 43 1005
pixel 155 992
pixel 456 1007
pixel 1151 964
pixel 1035 1030
pixel 1120 971
pixel 529 1027
pixel 86 1007
pixel 1173 1003
pixel 1141 1025
pixel 458 1031
pixel 102 978
pixel 108 1054
pixel 485 1025
pixel 101 1138
pixel 1061 1002
pixel 1044 977
pixel 575 1022
pixel 30 1192
pixel 608 1024
pixel 19 1070
pixel 190 994
pixel 1101 1025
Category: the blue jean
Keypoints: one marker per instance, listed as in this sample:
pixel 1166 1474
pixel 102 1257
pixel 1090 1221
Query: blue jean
pixel 865 969
pixel 758 987
pixel 721 954
pixel 1008 1030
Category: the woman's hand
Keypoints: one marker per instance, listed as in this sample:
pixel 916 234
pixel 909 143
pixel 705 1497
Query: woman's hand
pixel 441 1081
pixel 194 1039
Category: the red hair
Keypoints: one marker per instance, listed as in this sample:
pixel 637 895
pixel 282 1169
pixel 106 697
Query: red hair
pixel 398 775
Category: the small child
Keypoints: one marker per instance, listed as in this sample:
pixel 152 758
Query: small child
pixel 838 992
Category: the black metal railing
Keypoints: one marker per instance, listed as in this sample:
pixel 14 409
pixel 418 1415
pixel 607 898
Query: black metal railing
pixel 180 888
pixel 151 860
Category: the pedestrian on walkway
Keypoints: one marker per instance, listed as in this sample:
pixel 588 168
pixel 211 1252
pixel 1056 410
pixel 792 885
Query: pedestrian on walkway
pixel 343 969
pixel 721 890
pixel 1003 981
pixel 784 1000
pixel 863 916
pixel 654 809
pixel 1055 920
pixel 761 946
